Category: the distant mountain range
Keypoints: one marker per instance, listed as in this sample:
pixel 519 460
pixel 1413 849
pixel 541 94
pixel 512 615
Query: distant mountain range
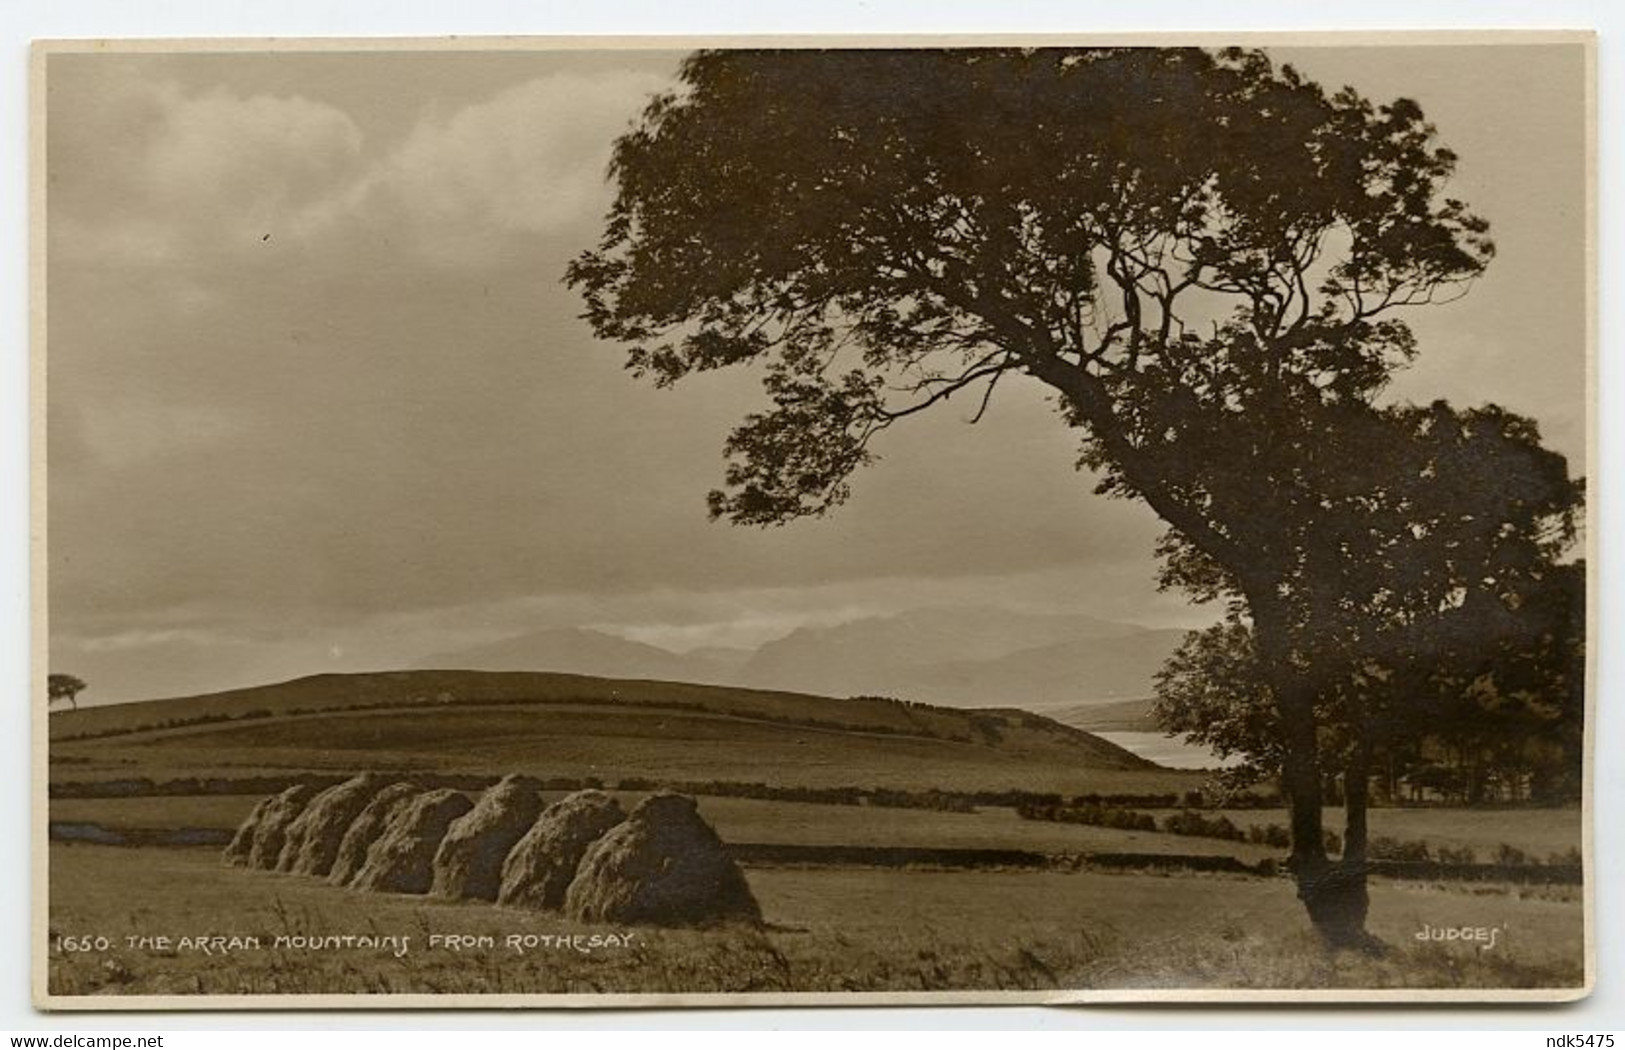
pixel 573 650
pixel 965 657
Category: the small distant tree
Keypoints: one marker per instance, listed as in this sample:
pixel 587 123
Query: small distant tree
pixel 64 687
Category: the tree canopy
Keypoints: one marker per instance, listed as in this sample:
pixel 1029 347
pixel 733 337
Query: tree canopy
pixel 1145 231
pixel 1433 598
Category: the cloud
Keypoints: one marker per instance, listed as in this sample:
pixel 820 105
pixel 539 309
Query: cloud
pixel 248 160
pixel 529 161
pixel 170 177
pixel 138 428
pixel 384 429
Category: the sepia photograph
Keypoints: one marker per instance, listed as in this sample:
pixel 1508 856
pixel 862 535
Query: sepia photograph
pixel 665 521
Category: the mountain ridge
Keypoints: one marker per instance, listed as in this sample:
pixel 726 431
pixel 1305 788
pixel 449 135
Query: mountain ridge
pixel 568 650
pixel 950 655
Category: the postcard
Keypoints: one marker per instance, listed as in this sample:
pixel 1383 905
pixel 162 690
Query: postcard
pixel 625 521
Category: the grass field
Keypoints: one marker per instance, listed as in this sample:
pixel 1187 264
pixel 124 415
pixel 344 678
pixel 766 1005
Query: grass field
pixel 747 820
pixel 403 693
pixel 827 930
pixel 613 742
pixel 1539 833
pixel 829 927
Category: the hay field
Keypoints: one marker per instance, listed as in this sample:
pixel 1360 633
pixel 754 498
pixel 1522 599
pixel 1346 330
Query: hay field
pixel 827 930
pixel 747 820
pixel 835 925
pixel 610 742
pixel 1538 832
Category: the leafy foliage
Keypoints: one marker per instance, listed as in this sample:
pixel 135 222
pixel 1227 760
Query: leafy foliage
pixel 1212 692
pixel 1431 599
pixel 884 230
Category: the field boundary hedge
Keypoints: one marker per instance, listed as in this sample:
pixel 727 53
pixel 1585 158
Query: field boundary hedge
pixel 782 854
pixel 891 798
pixel 777 853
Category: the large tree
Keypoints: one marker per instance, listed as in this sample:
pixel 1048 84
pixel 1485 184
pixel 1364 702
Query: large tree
pixel 1167 240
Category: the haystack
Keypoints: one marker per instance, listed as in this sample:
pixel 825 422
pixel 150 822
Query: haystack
pixel 663 866
pixel 242 843
pixel 402 860
pixel 313 838
pixel 540 866
pixel 469 861
pixel 272 829
pixel 367 828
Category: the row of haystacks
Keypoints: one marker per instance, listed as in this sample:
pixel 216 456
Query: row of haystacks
pixel 583 856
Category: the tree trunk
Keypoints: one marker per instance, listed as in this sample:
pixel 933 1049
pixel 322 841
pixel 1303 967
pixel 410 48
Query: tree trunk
pixel 1334 895
pixel 1356 797
pixel 1352 870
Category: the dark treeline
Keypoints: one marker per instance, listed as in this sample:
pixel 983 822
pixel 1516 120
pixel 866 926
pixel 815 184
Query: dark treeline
pixel 942 801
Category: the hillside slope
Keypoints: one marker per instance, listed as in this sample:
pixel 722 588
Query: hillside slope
pixel 554 724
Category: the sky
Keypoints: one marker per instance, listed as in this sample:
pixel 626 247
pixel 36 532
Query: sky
pixel 318 401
